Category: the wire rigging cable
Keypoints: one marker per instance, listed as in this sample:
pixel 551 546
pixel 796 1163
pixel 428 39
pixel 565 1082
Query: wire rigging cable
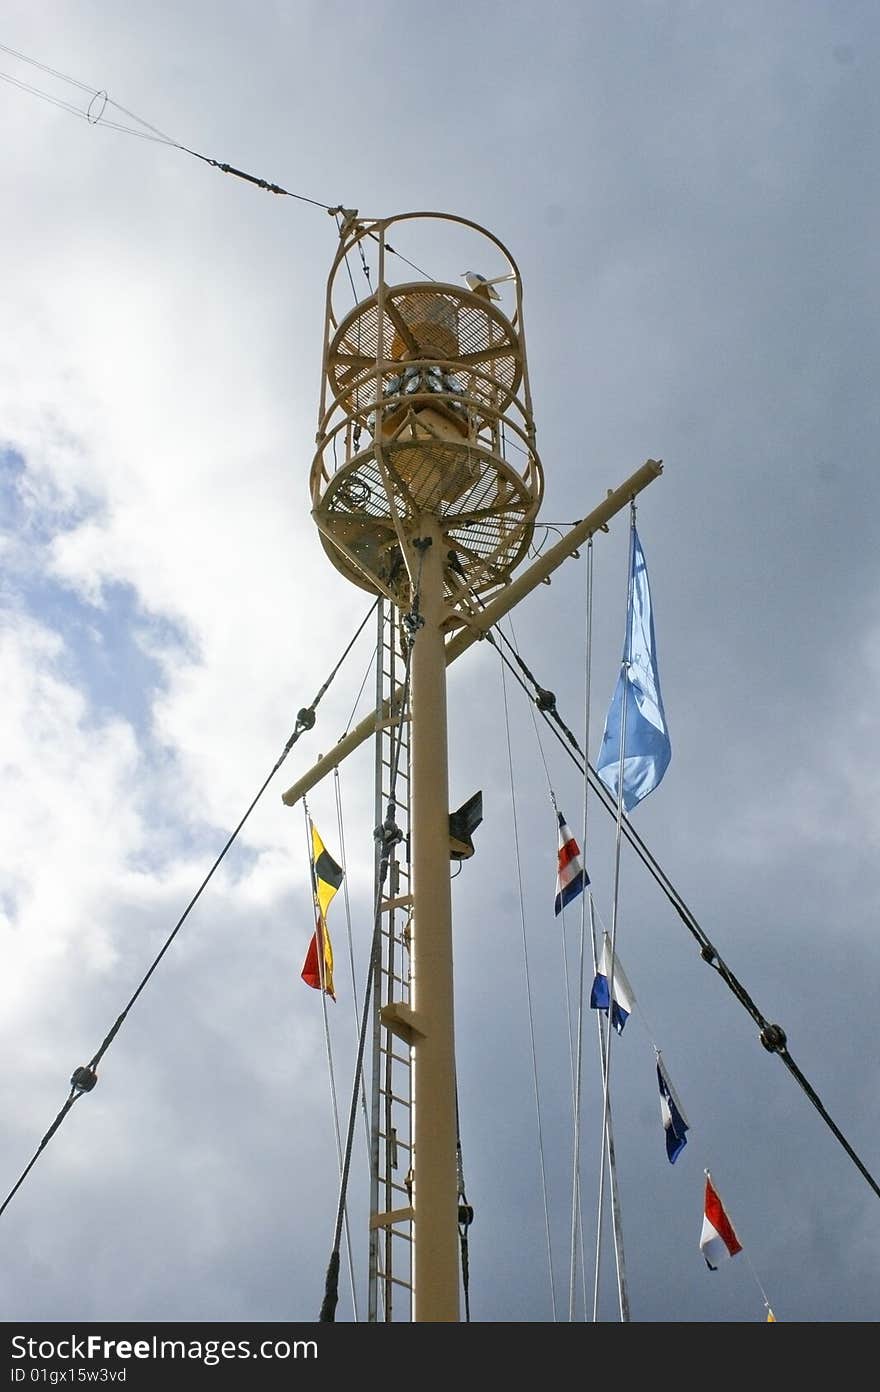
pixel 527 976
pixel 577 1218
pixel 575 1052
pixel 94 113
pixel 334 1107
pixel 387 836
pixel 85 1077
pixel 340 827
pixel 606 1034
pixel 465 1216
pixel 576 1208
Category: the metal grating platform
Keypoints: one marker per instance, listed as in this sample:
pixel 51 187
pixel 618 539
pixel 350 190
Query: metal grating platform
pixel 489 522
pixel 445 325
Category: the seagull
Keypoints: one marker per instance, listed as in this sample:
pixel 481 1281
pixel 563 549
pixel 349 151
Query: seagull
pixel 481 286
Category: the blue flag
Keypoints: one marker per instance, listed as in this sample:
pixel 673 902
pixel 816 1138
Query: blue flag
pixel 618 994
pixel 674 1120
pixel 648 750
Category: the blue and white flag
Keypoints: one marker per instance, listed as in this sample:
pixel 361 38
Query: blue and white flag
pixel 648 749
pixel 674 1120
pixel 619 996
pixel 571 877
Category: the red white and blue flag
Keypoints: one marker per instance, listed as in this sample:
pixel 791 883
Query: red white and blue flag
pixel 571 877
pixel 717 1238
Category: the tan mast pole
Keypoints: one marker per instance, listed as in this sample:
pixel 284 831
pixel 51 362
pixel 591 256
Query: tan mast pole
pixel 430 1025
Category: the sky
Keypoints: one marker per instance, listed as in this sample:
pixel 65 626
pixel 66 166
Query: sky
pixel 689 192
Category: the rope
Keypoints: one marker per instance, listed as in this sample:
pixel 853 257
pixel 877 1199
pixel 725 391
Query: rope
pixel 330 1072
pixel 84 1078
pixel 387 835
pixel 622 1291
pixel 527 975
pixel 356 433
pixel 388 247
pixel 465 1215
pixel 576 1215
pixel 347 266
pixel 349 934
pixel 606 1051
pixel 573 1067
pixel 357 699
pixel 545 698
pixel 366 268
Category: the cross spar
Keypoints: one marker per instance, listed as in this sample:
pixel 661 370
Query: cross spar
pixel 479 624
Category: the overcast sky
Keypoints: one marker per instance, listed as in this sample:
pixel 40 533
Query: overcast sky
pixel 689 191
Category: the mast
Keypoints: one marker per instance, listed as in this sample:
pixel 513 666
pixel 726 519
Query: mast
pixel 424 394
pixel 435 1188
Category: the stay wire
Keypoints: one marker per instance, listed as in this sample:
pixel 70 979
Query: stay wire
pixel 370 666
pixel 85 1077
pixel 388 835
pixel 148 133
pixel 253 179
pixel 55 101
pixel 321 929
pixel 562 942
pixel 338 215
pixel 607 1035
pixel 388 247
pixel 576 1209
pixel 527 976
pixel 465 1214
pixel 53 72
pixel 348 922
pixel 772 1036
pixel 577 1214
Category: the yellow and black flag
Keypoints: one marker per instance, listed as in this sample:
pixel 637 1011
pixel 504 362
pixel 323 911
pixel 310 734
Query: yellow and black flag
pixel 326 878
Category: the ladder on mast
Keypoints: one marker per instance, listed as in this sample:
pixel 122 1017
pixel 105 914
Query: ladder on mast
pixel 391 1131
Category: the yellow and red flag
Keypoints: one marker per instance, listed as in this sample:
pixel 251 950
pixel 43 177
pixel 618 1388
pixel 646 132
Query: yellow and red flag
pixel 327 876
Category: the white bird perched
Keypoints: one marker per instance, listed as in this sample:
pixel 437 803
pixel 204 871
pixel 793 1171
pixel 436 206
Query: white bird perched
pixel 481 286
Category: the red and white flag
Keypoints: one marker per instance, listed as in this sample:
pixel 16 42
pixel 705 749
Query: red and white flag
pixel 717 1239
